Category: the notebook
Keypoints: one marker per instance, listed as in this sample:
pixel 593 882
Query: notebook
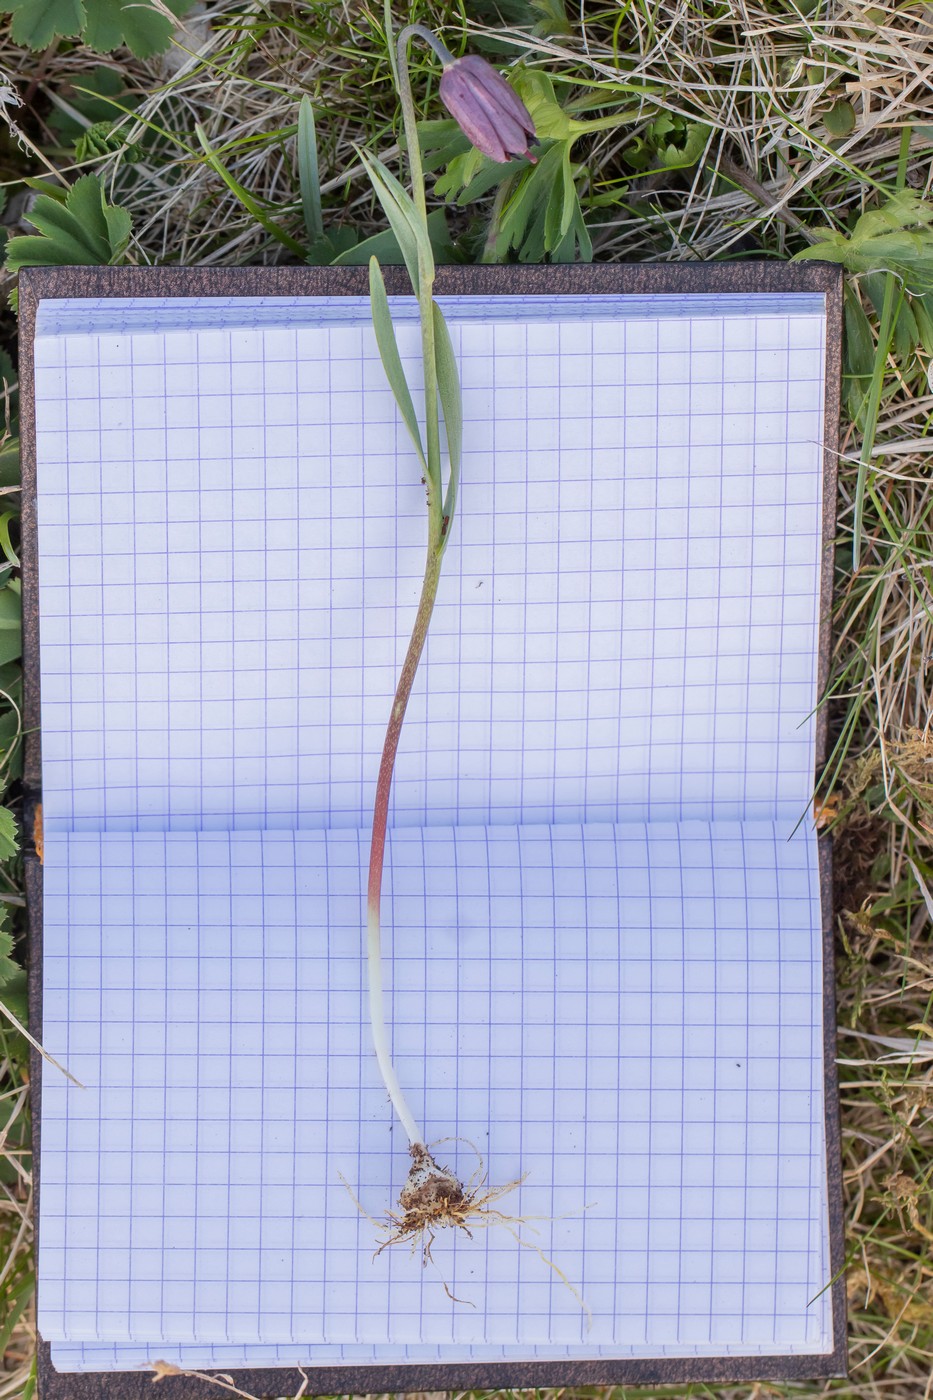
pixel 606 908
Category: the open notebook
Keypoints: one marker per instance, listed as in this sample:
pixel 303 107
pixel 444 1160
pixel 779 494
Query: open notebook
pixel 603 901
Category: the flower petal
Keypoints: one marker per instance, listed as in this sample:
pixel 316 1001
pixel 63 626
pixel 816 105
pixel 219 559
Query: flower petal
pixel 471 116
pixel 492 82
pixel 486 109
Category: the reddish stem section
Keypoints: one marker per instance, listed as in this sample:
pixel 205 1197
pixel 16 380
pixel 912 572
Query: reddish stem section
pixel 406 680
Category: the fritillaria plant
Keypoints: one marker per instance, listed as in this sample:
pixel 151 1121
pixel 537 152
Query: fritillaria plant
pixel 498 124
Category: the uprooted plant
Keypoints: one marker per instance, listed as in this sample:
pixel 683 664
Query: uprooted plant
pixel 497 122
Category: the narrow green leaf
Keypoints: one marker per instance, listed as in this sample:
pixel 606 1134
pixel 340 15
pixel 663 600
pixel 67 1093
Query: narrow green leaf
pixel 448 388
pixel 245 198
pixel 391 359
pixel 403 218
pixel 309 179
pixel 5 541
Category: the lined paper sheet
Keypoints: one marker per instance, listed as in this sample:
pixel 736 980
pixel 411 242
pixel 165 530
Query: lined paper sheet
pixel 231 543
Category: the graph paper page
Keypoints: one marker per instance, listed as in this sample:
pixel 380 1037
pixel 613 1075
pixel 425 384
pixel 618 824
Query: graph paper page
pixel 232 529
pixel 629 1015
pixel 231 535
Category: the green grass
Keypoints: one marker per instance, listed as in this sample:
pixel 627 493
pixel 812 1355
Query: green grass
pixel 748 127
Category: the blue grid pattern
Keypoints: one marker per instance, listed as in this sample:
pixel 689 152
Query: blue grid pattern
pixel 231 544
pixel 659 1087
pixel 232 536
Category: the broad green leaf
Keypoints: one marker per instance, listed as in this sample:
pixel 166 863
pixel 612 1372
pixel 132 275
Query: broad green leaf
pixel 681 155
pixel 543 210
pixel 9 729
pixel 309 179
pixel 669 142
pixel 102 24
pixel 840 119
pixel 11 677
pixel 391 359
pixel 518 214
pixel 441 141
pixel 553 122
pixel 462 170
pixel 896 237
pixel 79 228
pixel 78 220
pixel 37 22
pixel 9 841
pixel 8 968
pixel 384 246
pixel 859 353
pixel 537 92
pixel 576 244
pixel 11 645
pixel 473 175
pixel 860 346
pixel 11 611
pixel 90 98
pixel 119 225
pixel 906 334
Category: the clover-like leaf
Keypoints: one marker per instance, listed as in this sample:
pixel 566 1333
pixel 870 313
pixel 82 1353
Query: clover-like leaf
pixel 103 25
pixel 896 237
pixel 9 841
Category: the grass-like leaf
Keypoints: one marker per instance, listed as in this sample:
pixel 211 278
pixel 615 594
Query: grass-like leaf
pixel 403 219
pixel 391 359
pixel 246 199
pixel 448 388
pixel 309 179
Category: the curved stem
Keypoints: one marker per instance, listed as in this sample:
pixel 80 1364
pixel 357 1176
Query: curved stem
pixel 432 573
pixel 437 537
pixel 430 38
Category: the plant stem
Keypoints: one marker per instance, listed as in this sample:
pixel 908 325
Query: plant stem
pixel 432 573
pixel 439 511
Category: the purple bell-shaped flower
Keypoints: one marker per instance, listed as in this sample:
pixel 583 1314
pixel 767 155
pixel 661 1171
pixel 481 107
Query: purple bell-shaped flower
pixel 486 109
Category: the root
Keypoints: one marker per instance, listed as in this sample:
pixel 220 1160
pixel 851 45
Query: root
pixel 433 1199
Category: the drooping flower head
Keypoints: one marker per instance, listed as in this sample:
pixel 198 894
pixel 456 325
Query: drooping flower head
pixel 486 109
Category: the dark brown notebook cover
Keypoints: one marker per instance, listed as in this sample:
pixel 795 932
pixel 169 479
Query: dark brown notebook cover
pixel 37 285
